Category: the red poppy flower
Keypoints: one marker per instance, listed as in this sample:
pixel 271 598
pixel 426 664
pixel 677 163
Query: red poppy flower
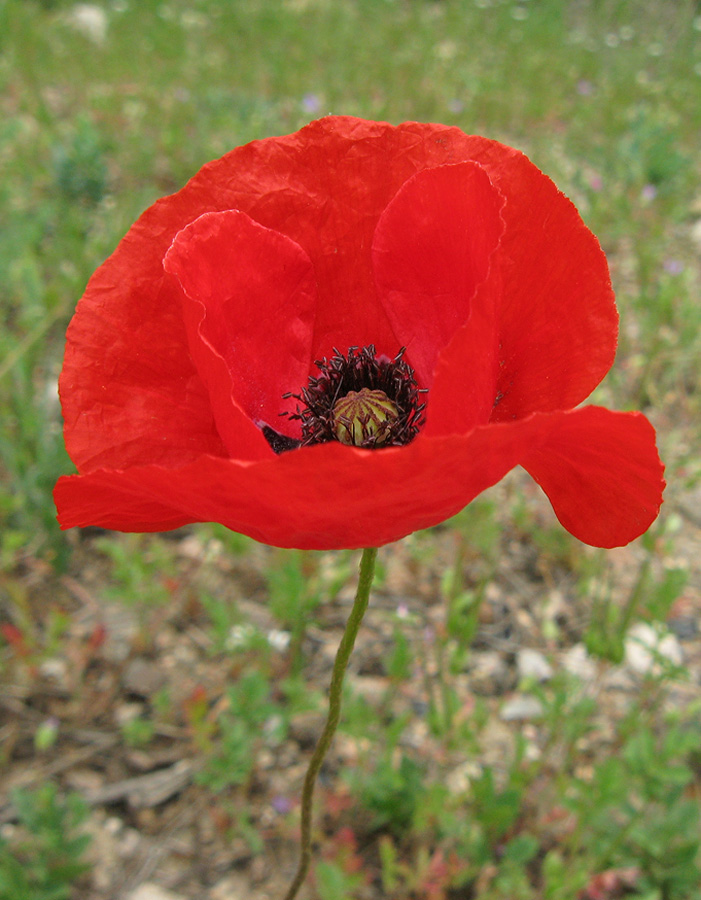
pixel 441 273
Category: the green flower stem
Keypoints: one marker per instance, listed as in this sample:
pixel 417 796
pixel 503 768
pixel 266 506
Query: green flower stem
pixel 362 596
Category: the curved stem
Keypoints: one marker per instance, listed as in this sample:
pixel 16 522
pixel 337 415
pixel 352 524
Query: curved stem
pixel 367 572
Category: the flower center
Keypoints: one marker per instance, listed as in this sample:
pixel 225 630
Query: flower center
pixel 364 417
pixel 358 399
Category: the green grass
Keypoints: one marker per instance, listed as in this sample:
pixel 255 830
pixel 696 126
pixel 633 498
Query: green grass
pixel 603 95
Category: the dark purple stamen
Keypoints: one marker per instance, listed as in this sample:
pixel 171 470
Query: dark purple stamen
pixel 360 370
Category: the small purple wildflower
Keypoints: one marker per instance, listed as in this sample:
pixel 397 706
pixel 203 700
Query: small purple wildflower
pixel 281 804
pixel 311 103
pixel 673 266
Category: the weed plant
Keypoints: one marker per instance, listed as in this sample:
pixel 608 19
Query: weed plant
pixel 43 857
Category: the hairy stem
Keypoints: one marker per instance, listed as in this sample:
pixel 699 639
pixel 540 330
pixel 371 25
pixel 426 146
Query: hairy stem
pixel 367 571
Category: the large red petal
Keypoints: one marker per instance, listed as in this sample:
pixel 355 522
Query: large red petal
pixel 129 391
pixel 465 380
pixel 602 473
pixel 325 187
pixel 431 250
pixel 599 468
pixel 558 320
pixel 249 311
pixel 324 497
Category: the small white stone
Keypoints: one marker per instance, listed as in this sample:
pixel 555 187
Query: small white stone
pixel 532 664
pixel 458 780
pixel 150 891
pixel 370 687
pixel 90 20
pixel 648 647
pixel 51 394
pixel 489 673
pixel 240 636
pixel 192 547
pixel 54 668
pixel 129 843
pixel 113 825
pixel 576 661
pixel 521 706
pixel 279 640
pixel 127 712
pixel 696 232
pixel 233 887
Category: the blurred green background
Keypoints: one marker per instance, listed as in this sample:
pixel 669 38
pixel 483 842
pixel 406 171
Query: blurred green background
pixel 107 106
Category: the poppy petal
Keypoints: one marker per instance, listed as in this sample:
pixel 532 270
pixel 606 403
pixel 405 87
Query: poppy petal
pixel 465 380
pixel 332 497
pixel 250 296
pixel 328 496
pixel 558 320
pixel 129 391
pixel 431 250
pixel 602 473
